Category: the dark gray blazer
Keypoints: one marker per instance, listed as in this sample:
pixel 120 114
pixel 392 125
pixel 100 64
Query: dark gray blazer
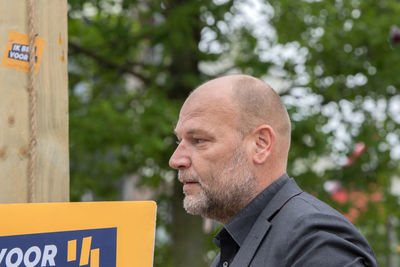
pixel 297 229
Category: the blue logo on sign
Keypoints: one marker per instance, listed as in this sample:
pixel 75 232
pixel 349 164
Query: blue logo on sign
pixel 97 247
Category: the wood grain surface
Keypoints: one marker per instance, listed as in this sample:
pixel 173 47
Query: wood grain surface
pixel 52 159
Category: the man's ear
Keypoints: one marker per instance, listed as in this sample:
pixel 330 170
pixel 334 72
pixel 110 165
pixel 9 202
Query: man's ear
pixel 264 140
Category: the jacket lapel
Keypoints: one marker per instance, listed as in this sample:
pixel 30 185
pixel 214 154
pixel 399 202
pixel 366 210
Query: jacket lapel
pixel 263 224
pixel 251 243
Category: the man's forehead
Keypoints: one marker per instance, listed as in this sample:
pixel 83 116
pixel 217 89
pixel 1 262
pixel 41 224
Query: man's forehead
pixel 207 109
pixel 203 119
pixel 189 122
pixel 210 104
pixel 201 101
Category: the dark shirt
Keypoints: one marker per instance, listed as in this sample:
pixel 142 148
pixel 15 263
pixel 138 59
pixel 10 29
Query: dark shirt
pixel 232 235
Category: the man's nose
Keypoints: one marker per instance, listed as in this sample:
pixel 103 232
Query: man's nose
pixel 180 159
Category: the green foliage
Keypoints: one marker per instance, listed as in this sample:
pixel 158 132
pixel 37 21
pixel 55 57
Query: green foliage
pixel 132 63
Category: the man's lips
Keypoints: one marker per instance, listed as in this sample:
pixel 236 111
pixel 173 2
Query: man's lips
pixel 187 185
pixel 188 181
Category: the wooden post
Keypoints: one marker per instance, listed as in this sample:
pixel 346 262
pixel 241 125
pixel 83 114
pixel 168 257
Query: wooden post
pixel 52 160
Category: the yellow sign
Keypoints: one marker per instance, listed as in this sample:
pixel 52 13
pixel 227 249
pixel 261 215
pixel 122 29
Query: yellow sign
pixel 95 234
pixel 16 55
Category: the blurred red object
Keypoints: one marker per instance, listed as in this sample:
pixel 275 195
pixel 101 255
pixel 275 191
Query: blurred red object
pixel 358 200
pixel 352 215
pixel 339 196
pixel 358 150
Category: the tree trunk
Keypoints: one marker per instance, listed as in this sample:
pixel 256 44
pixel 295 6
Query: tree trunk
pixel 189 240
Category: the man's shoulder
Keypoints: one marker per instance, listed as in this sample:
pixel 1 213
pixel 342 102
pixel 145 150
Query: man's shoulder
pixel 305 225
pixel 306 203
pixel 305 208
pixel 293 200
pixel 304 213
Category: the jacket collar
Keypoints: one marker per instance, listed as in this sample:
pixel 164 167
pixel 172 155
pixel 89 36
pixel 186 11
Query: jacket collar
pixel 263 223
pixel 241 225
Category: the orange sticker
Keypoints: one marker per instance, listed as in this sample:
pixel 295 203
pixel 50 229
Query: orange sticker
pixel 16 55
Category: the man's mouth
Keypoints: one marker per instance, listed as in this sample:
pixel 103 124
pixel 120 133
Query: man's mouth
pixel 188 185
pixel 189 182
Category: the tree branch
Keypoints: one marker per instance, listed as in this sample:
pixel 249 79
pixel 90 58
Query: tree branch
pixel 125 68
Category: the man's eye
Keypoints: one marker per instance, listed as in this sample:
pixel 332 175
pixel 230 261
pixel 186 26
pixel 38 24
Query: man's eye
pixel 198 140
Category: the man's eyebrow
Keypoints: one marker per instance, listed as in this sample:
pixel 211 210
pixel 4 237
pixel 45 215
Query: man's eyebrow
pixel 193 131
pixel 196 131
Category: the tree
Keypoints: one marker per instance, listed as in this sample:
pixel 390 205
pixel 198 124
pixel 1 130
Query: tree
pixel 133 62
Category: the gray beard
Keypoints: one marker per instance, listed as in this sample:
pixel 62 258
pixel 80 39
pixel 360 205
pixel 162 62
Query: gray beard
pixel 228 192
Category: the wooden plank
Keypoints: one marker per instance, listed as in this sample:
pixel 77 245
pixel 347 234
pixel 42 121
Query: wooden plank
pixel 52 160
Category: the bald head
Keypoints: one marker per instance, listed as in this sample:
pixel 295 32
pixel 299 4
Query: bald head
pixel 259 104
pixel 254 101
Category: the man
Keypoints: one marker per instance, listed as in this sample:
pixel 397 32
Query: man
pixel 233 141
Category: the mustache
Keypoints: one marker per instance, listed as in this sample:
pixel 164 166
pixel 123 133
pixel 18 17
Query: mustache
pixel 187 177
